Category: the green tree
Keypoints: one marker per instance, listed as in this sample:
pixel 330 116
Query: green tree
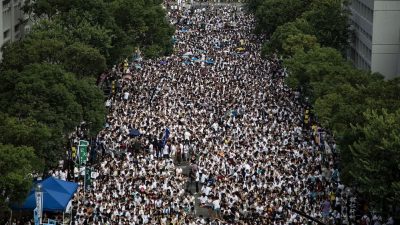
pixel 78 58
pixel 273 13
pixel 79 27
pixel 83 60
pixel 252 5
pixel 307 69
pixel 91 99
pixel 18 54
pixel 299 42
pixel 16 166
pixel 43 92
pixel 376 153
pixel 145 24
pixel 341 107
pixel 346 100
pixel 282 33
pixel 330 21
pixel 29 132
pixel 48 94
pixel 347 96
pixel 114 27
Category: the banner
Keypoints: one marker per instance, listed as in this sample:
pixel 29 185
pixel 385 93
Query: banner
pixel 39 201
pixel 73 153
pixel 88 180
pixel 165 137
pixel 36 216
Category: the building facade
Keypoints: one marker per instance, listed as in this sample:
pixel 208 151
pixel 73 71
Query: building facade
pixel 12 21
pixel 376 42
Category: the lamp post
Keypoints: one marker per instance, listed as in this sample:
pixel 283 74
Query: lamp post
pixel 39 203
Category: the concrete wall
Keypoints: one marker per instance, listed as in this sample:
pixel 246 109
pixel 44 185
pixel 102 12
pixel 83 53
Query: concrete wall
pixel 386 38
pixel 11 15
pixel 362 25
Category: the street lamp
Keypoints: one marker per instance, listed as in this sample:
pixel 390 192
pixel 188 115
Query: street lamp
pixel 39 203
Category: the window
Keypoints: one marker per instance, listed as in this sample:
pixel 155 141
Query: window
pixel 16 28
pixel 5 2
pixel 6 34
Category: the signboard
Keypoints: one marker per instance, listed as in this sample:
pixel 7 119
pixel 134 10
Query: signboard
pixel 83 142
pixel 82 154
pixel 82 151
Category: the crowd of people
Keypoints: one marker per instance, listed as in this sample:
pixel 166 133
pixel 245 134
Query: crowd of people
pixel 220 107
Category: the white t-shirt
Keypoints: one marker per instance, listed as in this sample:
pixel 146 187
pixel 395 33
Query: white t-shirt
pixel 216 204
pixel 187 135
pixel 126 95
pixel 203 200
pixel 166 150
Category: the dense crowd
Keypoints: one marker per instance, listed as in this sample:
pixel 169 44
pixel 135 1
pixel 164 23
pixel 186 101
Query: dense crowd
pixel 252 158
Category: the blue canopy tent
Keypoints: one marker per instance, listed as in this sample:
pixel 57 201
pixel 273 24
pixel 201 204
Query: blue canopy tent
pixel 56 195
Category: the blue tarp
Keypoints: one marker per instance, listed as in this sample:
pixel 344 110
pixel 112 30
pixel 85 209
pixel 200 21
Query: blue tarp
pixel 56 195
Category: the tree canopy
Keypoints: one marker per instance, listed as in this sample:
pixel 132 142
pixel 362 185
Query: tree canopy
pixel 360 108
pixel 330 21
pixel 16 166
pixel 49 94
pixel 47 82
pixel 270 14
pixel 376 167
pixel 290 38
pixel 114 27
pixel 28 132
pixel 301 25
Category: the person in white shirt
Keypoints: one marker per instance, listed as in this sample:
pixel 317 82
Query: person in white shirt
pixel 166 151
pixel 216 207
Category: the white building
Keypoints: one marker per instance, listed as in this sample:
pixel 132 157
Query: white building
pixel 376 45
pixel 12 25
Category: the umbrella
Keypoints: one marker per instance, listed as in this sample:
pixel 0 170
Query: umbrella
pixel 234 113
pixel 188 53
pixel 163 62
pixel 209 61
pixel 127 77
pixel 134 133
